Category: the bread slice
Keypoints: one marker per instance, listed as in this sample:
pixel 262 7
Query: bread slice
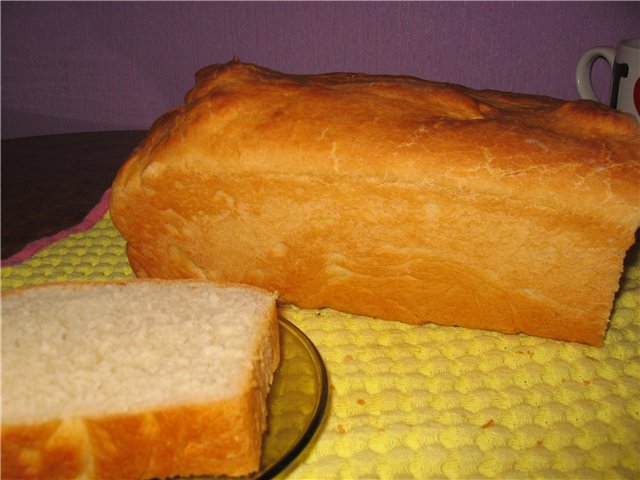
pixel 389 196
pixel 141 379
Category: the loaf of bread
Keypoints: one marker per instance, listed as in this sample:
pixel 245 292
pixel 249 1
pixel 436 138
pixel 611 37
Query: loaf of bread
pixel 388 196
pixel 142 379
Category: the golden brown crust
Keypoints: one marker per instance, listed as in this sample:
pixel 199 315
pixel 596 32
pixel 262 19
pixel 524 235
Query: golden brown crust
pixel 166 443
pixel 389 196
pixel 217 438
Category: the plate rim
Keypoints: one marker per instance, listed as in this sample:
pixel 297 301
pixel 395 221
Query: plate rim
pixel 319 409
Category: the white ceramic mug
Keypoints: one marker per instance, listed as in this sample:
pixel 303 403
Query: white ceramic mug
pixel 624 61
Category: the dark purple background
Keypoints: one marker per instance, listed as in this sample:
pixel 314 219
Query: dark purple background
pixel 84 66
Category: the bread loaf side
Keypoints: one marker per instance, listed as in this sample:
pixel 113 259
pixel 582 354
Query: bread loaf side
pixel 389 196
pixel 142 379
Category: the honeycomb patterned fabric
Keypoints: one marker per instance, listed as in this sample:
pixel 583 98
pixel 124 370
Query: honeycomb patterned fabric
pixel 437 402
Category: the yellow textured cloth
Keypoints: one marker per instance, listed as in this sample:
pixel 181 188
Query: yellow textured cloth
pixel 439 402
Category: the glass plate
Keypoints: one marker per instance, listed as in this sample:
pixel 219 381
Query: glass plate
pixel 296 403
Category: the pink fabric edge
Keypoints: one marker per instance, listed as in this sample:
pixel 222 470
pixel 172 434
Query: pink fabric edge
pixel 89 221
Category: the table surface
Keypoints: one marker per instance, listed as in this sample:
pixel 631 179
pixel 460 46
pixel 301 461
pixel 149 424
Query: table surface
pixel 51 182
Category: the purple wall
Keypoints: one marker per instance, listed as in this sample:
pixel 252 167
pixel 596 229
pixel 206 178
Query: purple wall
pixel 82 66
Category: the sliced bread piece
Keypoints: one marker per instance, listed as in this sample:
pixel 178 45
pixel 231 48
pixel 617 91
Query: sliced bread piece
pixel 140 379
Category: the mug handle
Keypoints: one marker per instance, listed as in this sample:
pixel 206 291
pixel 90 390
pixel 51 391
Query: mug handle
pixel 583 70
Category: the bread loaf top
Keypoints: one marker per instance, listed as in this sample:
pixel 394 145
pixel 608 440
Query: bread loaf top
pixel 244 118
pixel 391 197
